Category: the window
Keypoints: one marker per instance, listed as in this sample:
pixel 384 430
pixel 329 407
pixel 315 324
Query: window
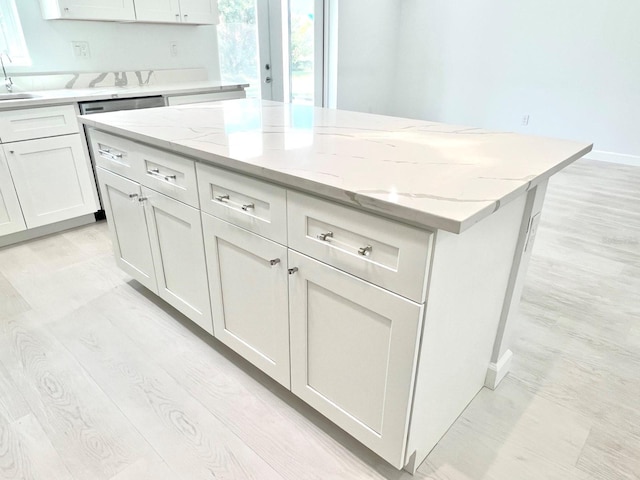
pixel 11 37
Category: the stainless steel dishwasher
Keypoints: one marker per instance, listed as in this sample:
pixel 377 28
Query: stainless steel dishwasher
pixel 114 105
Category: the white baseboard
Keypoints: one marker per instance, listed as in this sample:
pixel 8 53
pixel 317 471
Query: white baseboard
pixel 32 233
pixel 497 371
pixel 612 157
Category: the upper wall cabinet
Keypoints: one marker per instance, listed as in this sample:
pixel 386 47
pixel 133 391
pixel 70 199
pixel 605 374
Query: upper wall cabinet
pixel 114 10
pixel 192 12
pixel 199 11
pixel 196 12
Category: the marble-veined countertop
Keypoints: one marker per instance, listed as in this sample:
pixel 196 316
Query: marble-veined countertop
pixel 71 95
pixel 428 174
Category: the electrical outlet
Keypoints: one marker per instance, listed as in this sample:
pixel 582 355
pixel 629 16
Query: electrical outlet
pixel 81 49
pixel 525 120
pixel 173 48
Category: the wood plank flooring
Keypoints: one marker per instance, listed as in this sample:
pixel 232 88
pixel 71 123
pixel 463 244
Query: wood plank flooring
pixel 101 380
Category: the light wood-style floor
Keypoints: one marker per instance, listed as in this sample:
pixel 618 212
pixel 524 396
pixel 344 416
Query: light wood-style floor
pixel 99 380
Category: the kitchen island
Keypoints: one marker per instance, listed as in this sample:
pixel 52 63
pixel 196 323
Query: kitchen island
pixel 370 264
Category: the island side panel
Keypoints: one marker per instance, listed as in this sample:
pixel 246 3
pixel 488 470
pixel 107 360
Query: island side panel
pixel 502 354
pixel 470 275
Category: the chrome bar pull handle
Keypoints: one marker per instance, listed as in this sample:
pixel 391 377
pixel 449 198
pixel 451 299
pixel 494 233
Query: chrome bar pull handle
pixel 156 172
pixel 142 199
pixel 324 236
pixel 329 238
pixel 293 270
pixel 274 262
pixel 105 152
pixel 133 195
pixel 226 199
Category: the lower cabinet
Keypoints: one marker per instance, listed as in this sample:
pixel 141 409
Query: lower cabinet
pixel 128 227
pixel 249 292
pixel 11 219
pixel 53 179
pixel 175 231
pixel 158 241
pixel 343 344
pixel 353 353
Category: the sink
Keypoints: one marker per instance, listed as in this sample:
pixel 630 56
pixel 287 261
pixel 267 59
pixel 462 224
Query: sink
pixel 16 96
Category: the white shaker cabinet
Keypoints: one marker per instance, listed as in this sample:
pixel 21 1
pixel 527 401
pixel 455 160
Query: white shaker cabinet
pixel 129 233
pixel 175 230
pixel 249 291
pixel 198 12
pixel 165 11
pixel 11 219
pixel 354 350
pixel 53 179
pixel 115 10
pixel 158 241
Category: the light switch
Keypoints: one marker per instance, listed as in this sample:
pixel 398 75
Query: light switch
pixel 81 49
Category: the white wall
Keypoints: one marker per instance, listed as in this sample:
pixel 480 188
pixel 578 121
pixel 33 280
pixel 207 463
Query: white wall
pixel 114 46
pixel 573 66
pixel 367 39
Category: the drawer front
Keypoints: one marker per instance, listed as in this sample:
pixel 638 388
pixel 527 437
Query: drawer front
pixel 113 153
pixel 30 123
pixel 392 255
pixel 167 173
pixel 252 204
pixel 205 97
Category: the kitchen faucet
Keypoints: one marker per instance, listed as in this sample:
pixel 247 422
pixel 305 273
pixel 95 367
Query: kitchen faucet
pixel 8 83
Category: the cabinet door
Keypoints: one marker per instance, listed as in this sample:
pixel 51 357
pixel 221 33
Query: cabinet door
pixel 11 219
pixel 158 11
pixel 53 179
pixel 249 291
pixel 128 227
pixel 97 9
pixel 175 230
pixel 353 353
pixel 199 11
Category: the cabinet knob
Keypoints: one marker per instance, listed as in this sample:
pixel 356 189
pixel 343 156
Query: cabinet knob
pixel 11 151
pixel 293 270
pixel 273 262
pixel 177 17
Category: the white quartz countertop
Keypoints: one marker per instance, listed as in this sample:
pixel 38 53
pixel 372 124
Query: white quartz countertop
pixel 70 95
pixel 427 174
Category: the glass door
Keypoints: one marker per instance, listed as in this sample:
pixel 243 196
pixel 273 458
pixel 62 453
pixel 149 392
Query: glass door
pixel 239 46
pixel 276 46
